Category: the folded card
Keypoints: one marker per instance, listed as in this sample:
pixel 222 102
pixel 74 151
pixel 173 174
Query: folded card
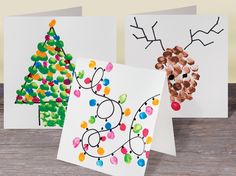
pixel 193 52
pixel 38 74
pixel 111 117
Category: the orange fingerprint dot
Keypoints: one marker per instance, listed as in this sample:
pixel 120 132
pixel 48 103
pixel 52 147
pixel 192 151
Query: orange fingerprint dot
pixel 107 90
pixel 50 48
pixel 52 23
pixel 28 97
pixel 50 73
pixel 36 76
pixel 84 124
pixel 100 151
pixel 148 140
pixel 127 112
pixel 68 75
pixel 155 101
pixel 81 156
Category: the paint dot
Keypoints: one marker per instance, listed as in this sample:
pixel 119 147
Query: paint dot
pixel 109 67
pixel 99 163
pixel 92 120
pixel 122 127
pixel 155 101
pixel 98 87
pixel 107 90
pixel 87 80
pixel 128 158
pixel 127 112
pixel 81 157
pixel 114 160
pixel 106 82
pixel 77 93
pixel 137 127
pixel 110 135
pixel 92 64
pixel 103 138
pixel 108 125
pixel 141 162
pixel 100 151
pixel 142 115
pixel 76 142
pixel 145 132
pixel 175 106
pixel 123 150
pixel 86 147
pixel 147 154
pixel 148 140
pixel 149 110
pixel 122 98
pixel 84 125
pixel 92 102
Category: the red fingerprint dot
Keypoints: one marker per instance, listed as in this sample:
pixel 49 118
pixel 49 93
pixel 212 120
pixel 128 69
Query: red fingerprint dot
pixel 122 127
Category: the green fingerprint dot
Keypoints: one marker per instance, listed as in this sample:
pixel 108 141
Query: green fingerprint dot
pixel 128 158
pixel 92 120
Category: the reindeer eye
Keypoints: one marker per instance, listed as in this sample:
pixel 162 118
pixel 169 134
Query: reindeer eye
pixel 171 77
pixel 185 75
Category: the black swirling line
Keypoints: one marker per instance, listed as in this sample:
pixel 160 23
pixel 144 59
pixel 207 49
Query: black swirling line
pixel 98 132
pixel 134 119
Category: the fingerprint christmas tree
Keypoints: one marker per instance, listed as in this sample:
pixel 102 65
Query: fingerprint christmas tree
pixel 49 80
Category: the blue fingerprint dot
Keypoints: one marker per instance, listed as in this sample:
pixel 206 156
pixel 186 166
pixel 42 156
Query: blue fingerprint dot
pixel 92 102
pixel 99 163
pixel 108 125
pixel 141 162
pixel 29 90
pixel 142 115
pixel 48 94
pixel 37 64
pixel 55 81
pixel 56 37
pixel 106 82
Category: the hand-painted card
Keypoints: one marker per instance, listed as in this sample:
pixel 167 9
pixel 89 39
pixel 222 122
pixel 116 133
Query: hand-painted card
pixel 193 50
pixel 38 74
pixel 111 117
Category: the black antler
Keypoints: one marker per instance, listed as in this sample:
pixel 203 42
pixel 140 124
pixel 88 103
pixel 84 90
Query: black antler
pixel 198 31
pixel 150 41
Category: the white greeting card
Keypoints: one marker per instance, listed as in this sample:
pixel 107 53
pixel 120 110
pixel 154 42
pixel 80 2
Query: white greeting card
pixel 111 117
pixel 193 50
pixel 38 64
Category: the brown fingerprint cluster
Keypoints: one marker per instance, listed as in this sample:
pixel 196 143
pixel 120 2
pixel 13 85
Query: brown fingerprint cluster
pixel 182 73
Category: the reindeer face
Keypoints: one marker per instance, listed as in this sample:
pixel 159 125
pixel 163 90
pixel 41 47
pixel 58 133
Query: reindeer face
pixel 181 70
pixel 182 74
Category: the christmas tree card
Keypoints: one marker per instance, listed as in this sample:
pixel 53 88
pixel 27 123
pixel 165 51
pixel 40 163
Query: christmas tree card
pixel 111 117
pixel 39 64
pixel 192 50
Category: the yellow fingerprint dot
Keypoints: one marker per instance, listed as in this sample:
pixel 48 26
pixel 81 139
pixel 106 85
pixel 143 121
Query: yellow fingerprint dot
pixel 84 124
pixel 155 101
pixel 52 23
pixel 50 73
pixel 127 111
pixel 92 64
pixel 100 151
pixel 28 97
pixel 148 140
pixel 107 90
pixel 81 157
pixel 68 75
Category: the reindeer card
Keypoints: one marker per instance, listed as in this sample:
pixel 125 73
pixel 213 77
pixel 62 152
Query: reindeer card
pixel 111 117
pixel 192 50
pixel 39 59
